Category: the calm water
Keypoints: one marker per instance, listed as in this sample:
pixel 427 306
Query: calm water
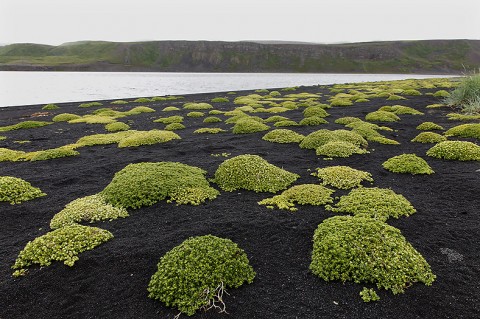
pixel 22 88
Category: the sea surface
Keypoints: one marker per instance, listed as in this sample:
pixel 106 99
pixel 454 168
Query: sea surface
pixel 25 88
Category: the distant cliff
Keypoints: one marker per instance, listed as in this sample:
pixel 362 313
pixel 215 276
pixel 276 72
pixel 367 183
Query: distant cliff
pixel 430 56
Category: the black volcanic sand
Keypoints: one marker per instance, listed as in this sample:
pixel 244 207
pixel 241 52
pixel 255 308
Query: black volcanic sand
pixel 111 280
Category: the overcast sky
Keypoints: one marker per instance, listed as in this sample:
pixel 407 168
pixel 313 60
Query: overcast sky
pixel 324 21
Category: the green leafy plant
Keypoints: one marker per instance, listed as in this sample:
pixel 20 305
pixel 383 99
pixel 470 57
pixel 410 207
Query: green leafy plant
pixel 24 125
pixel 209 265
pixel 441 94
pixel 174 127
pixel 362 249
pixel 16 190
pixel 285 123
pixel 89 209
pixel 315 110
pixel 378 203
pixel 342 177
pixel 8 155
pixel 283 136
pixel 381 116
pixel 370 132
pixel 117 127
pixel 59 152
pixel 195 114
pixel 429 137
pixel 247 125
pixel 400 109
pixel 197 106
pixel 429 126
pixel 341 102
pixel 305 194
pixel 220 100
pixel 144 184
pixel 49 107
pixel 347 120
pixel 251 172
pixel 104 139
pixel 411 92
pixel 369 295
pixel 142 100
pixel 455 150
pixel 407 163
pixel 394 97
pixel 313 120
pixel 321 137
pixel 465 130
pixel 151 137
pixel 63 244
pixel 90 104
pixel 212 119
pixel 339 149
pixel 119 102
pixel 171 109
pixel 170 119
pixel 209 130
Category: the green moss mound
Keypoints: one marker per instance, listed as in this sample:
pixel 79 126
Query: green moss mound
pixel 312 120
pixel 381 116
pixel 197 106
pixel 315 110
pixel 209 265
pixel 321 137
pixel 143 100
pixel 429 126
pixel 276 118
pixel 195 114
pixel 117 127
pixel 441 94
pixel 62 244
pixel 16 190
pixel 209 130
pixel 400 109
pixel 220 100
pixel 285 123
pixel 104 139
pixel 251 172
pixel 90 104
pixel 8 155
pixel 411 92
pixel 49 107
pixel 119 102
pixel 247 125
pixel 347 120
pixel 455 150
pixel 170 119
pixel 408 164
pixel 429 137
pixel 465 130
pixel 144 184
pixel 24 125
pixel 139 110
pixel 341 102
pixel 212 119
pixel 342 177
pixel 361 249
pixel 89 209
pixel 59 152
pixel 148 138
pixel 174 127
pixel 305 194
pixel 339 149
pixel 283 136
pixel 171 109
pixel 379 203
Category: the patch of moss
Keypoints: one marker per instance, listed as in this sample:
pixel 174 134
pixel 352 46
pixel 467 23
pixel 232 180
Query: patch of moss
pixel 315 111
pixel 313 120
pixel 455 150
pixel 341 102
pixel 215 112
pixel 347 120
pixel 144 184
pixel 342 177
pixel 195 114
pixel 407 163
pixel 117 127
pixel 197 106
pixel 283 136
pixel 400 109
pixel 59 152
pixel 89 209
pixel 220 100
pixel 170 119
pixel 411 92
pixel 339 149
pixel 285 123
pixel 24 125
pixel 93 119
pixel 139 110
pixel 104 139
pixel 8 155
pixel 171 109
pixel 276 118
pixel 378 203
pixel 248 125
pixel 90 104
pixel 465 130
pixel 209 265
pixel 142 100
pixel 462 117
pixel 174 127
pixel 429 137
pixel 429 126
pixel 381 116
pixel 119 102
pixel 441 94
pixel 209 130
pixel 212 119
pixel 16 190
pixel 321 137
pixel 394 97
pixel 251 172
pixel 151 137
pixel 369 295
pixel 305 194
pixel 50 107
pixel 362 249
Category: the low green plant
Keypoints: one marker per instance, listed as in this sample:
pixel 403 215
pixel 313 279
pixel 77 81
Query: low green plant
pixel 220 100
pixel 8 155
pixel 441 94
pixel 171 109
pixel 117 127
pixel 347 120
pixel 274 93
pixel 407 163
pixel 63 244
pixel 215 112
pixel 321 137
pixel 305 194
pixel 276 118
pixel 16 190
pixel 394 97
pixel 24 125
pixel 400 109
pixel 369 295
pixel 139 110
pixel 89 209
pixel 174 127
pixel 212 119
pixel 251 172
pixel 462 117
pixel 197 106
pixel 315 111
pixel 378 203
pixel 90 104
pixel 381 116
pixel 285 123
pixel 342 177
pixel 466 92
pixel 312 121
pixel 429 137
pixel 144 184
pixel 362 249
pixel 151 137
pixel 195 114
pixel 49 107
pixel 434 106
pixel 465 130
pixel 59 152
pixel 143 100
pixel 411 92
pixel 104 139
pixel 210 265
pixel 170 119
pixel 339 149
pixel 93 119
pixel 119 102
pixel 341 102
pixel 455 150
pixel 248 125
pixel 209 130
pixel 283 136
pixel 429 126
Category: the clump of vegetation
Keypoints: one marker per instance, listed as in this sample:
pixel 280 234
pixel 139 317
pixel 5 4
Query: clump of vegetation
pixel 90 104
pixel 24 125
pixel 321 137
pixel 339 149
pixel 363 249
pixel 276 118
pixel 195 114
pixel 407 163
pixel 465 130
pixel 394 97
pixel 342 177
pixel 16 190
pixel 283 136
pixel 411 92
pixel 117 127
pixel 170 119
pixel 462 117
pixel 174 127
pixel 209 130
pixel 215 112
pixel 347 120
pixel 378 203
pixel 144 184
pixel 370 132
pixel 429 137
pixel 93 119
pixel 305 194
pixel 466 95
pixel 171 109
pixel 87 209
pixel 140 109
pixel 209 265
pixel 119 102
pixel 212 119
pixel 400 109
pixel 59 152
pixel 143 100
pixel 285 123
pixel 248 125
pixel 197 106
pixel 429 126
pixel 63 244
pixel 8 155
pixel 220 100
pixel 455 150
pixel 312 120
pixel 103 139
pixel 148 138
pixel 251 172
pixel 49 107
pixel 441 94
pixel 369 295
pixel 315 110
pixel 381 116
